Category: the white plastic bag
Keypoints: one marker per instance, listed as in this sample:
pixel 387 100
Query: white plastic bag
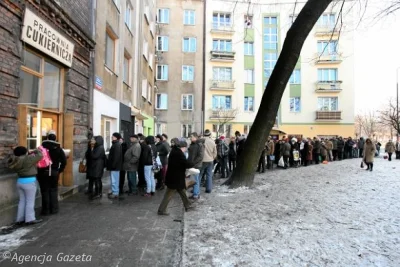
pixel 281 162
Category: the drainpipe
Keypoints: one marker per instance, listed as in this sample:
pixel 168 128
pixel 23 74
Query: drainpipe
pixel 203 97
pixel 92 64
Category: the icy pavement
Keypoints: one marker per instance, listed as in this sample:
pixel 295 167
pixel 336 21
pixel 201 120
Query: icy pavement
pixel 322 215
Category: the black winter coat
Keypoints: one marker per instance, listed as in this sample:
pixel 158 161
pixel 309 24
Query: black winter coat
pixel 57 155
pixel 196 154
pixel 232 150
pixel 340 145
pixel 145 155
pixel 96 159
pixel 177 165
pixel 115 157
pixel 163 150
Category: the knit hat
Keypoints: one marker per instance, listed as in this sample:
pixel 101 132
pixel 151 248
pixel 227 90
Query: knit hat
pixel 207 133
pixel 117 135
pixel 222 137
pixel 20 151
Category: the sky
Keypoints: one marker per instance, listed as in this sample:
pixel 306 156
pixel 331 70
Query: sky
pixel 377 56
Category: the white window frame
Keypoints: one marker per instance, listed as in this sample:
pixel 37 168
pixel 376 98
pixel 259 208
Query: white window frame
pixel 111 65
pixel 249 76
pixel 163 76
pixel 325 20
pixel 221 102
pixel 149 93
pixel 270 60
pixel 330 78
pixel 144 88
pixel 292 100
pixel 161 101
pixel 270 19
pixel 246 129
pixel 187 73
pixel 127 70
pixel 222 73
pixel 163 15
pixel 162 43
pixel 272 34
pixel 221 23
pixel 222 45
pixel 250 108
pixel 327 48
pixel 128 16
pixel 185 98
pixel 248 22
pixel 221 129
pixel 295 79
pixel 189 14
pixel 329 103
pixel 249 48
pixel 186 129
pixel 192 41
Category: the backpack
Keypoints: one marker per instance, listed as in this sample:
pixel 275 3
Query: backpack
pixel 46 160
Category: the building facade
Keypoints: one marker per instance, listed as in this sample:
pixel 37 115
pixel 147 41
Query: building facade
pixel 179 67
pixel 46 81
pixel 245 39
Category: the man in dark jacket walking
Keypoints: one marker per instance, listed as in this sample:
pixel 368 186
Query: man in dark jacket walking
pixel 196 154
pixel 48 177
pixel 114 165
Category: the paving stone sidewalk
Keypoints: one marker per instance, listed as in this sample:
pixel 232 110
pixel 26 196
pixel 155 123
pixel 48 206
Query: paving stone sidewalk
pixel 113 232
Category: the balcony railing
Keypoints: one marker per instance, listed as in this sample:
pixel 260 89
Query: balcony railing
pixel 222 85
pixel 326 29
pixel 328 58
pixel 223 113
pixel 328 86
pixel 222 55
pixel 224 28
pixel 329 115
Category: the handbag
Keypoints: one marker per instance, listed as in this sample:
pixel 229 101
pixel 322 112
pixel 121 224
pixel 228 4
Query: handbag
pixel 82 166
pixel 156 167
pixel 190 183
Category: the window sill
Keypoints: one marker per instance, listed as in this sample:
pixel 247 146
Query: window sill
pixel 110 70
pixel 249 111
pixel 129 29
pixel 161 80
pixel 129 87
pixel 161 109
pixel 295 112
pixel 189 24
pixel 187 81
pixel 250 83
pixel 166 23
pixel 186 109
pixel 249 55
pixel 189 52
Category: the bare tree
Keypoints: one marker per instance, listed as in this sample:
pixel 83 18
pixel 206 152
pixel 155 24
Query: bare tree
pixel 367 124
pixel 388 116
pixel 223 116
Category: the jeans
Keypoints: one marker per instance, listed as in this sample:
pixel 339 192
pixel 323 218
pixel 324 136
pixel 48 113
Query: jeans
pixel 26 205
pixel 132 181
pixel 207 168
pixel 149 176
pixel 115 182
pixel 169 193
pixel 196 187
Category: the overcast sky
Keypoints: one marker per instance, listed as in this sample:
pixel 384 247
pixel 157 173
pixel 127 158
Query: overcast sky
pixel 377 56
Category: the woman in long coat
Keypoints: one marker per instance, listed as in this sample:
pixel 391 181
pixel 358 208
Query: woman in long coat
pixel 310 152
pixel 96 163
pixel 369 154
pixel 175 179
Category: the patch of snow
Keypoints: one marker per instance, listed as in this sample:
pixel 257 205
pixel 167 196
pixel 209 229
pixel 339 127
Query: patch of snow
pixel 12 241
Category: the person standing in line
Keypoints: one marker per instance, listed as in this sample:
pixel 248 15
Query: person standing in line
pixel 175 178
pixel 141 179
pixel 122 173
pixel 48 177
pixel 232 154
pixel 222 154
pixel 317 150
pixel 270 147
pixel 397 150
pixel 163 150
pixel 149 155
pixel 369 154
pixel 114 165
pixel 95 163
pixel 210 153
pixel 261 161
pixel 360 145
pixel 334 149
pixel 131 163
pixel 25 166
pixel 340 146
pixel 309 152
pixel 196 155
pixel 390 149
pixel 329 148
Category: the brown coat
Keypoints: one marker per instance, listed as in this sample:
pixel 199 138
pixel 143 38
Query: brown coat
pixel 329 145
pixel 310 152
pixel 270 148
pixel 390 148
pixel 369 152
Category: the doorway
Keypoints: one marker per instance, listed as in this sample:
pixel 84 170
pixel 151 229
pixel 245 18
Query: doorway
pixel 39 124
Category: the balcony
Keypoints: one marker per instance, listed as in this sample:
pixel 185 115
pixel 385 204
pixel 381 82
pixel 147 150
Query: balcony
pixel 224 56
pixel 223 114
pixel 328 115
pixel 328 87
pixel 222 28
pixel 323 30
pixel 334 58
pixel 222 85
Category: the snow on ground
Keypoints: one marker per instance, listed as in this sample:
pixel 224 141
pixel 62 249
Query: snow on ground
pixel 12 241
pixel 326 215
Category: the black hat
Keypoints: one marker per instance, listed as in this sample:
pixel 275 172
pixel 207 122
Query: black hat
pixel 207 133
pixel 175 142
pixel 165 136
pixel 20 151
pixel 159 136
pixel 117 135
pixel 134 136
pixel 183 143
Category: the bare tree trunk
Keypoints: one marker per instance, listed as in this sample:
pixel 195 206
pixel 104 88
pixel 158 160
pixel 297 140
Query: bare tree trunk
pixel 297 34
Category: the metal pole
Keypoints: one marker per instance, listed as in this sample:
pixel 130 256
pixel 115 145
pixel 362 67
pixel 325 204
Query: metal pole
pixel 397 103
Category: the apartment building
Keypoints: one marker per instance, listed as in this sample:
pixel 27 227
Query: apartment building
pixel 124 83
pixel 244 40
pixel 179 67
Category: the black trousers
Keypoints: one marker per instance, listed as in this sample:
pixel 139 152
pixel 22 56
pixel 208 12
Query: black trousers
pixel 141 179
pixel 335 154
pixel 122 175
pixel 98 185
pixel 261 163
pixel 223 163
pixel 360 152
pixel 340 154
pixel 316 157
pixel 49 191
pixel 397 154
pixel 390 156
pixel 232 164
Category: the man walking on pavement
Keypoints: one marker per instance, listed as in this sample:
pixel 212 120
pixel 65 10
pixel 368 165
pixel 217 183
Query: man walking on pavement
pixel 196 154
pixel 210 153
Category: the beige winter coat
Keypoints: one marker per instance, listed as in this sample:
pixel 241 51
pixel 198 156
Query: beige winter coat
pixel 210 150
pixel 369 152
pixel 390 148
pixel 329 145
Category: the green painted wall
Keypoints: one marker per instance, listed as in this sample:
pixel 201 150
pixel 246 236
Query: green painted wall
pixel 248 62
pixel 249 89
pixel 295 90
pixel 149 124
pixel 249 35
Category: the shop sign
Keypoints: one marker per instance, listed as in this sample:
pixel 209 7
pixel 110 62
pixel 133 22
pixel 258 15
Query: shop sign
pixel 45 38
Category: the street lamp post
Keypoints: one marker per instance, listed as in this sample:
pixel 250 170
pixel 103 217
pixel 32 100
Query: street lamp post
pixel 397 103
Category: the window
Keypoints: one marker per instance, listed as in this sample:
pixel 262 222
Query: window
pixel 327 75
pixel 145 49
pixel 126 77
pixel 186 130
pixel 249 76
pixel 270 38
pixel 163 16
pixel 328 103
pixel 221 20
pixel 246 129
pixel 327 47
pixel 295 78
pixel 149 93
pixel 162 72
pixel 116 2
pixel 161 101
pixel 221 102
pixel 187 102
pixel 144 88
pixel 327 20
pixel 248 103
pixel 248 22
pixel 128 16
pixel 189 44
pixel 110 52
pixel 222 129
pixel 269 63
pixel 160 128
pixel 222 45
pixel 222 74
pixel 188 17
pixel 248 49
pixel 187 73
pixel 162 43
pixel 294 104
pixel 270 21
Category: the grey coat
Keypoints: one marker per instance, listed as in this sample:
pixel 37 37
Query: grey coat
pixel 131 157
